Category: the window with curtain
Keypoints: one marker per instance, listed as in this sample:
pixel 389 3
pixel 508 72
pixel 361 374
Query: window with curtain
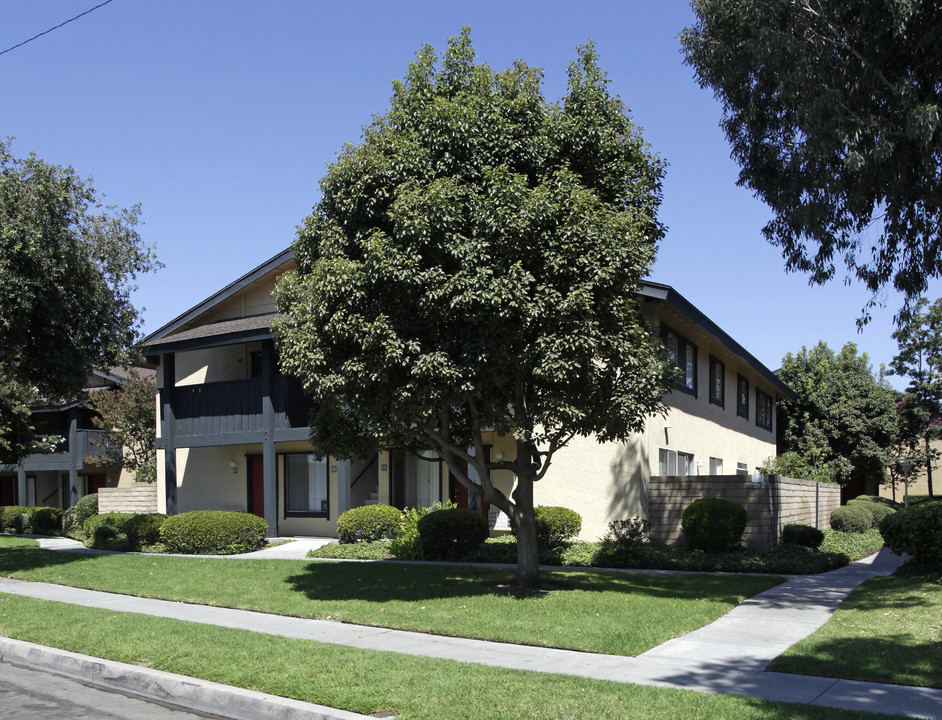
pixel 306 485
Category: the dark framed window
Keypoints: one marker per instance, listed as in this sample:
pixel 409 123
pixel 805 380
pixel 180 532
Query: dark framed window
pixel 717 382
pixel 255 364
pixel 742 469
pixel 742 397
pixel 307 485
pixel 683 354
pixel 763 410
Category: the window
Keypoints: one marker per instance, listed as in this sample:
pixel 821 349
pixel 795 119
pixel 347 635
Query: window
pixel 255 364
pixel 306 483
pixel 685 463
pixel 742 469
pixel 742 397
pixel 716 466
pixel 667 462
pixel 717 382
pixel 763 410
pixel 683 354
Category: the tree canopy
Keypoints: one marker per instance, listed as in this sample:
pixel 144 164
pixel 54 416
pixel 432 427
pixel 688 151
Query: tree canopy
pixel 842 418
pixel 472 265
pixel 919 358
pixel 129 416
pixel 832 110
pixel 67 266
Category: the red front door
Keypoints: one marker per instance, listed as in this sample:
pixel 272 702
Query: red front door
pixel 256 486
pixel 93 483
pixel 7 491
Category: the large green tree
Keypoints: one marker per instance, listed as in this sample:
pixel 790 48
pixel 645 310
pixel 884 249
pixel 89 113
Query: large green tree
pixel 919 358
pixel 67 267
pixel 832 110
pixel 471 266
pixel 129 415
pixel 842 418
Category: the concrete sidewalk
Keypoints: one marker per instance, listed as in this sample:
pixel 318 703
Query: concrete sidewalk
pixel 727 656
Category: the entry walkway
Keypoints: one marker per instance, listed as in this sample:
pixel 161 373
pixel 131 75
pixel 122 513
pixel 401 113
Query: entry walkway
pixel 727 656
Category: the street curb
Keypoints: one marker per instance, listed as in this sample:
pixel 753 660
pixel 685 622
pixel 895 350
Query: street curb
pixel 180 690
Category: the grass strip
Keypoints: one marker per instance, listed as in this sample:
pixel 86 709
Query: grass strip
pixel 613 613
pixel 368 681
pixel 888 629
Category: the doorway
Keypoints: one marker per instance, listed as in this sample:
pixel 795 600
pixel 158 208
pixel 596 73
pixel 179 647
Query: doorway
pixel 256 485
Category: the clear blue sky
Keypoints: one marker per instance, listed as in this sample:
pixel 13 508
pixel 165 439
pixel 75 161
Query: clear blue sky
pixel 220 116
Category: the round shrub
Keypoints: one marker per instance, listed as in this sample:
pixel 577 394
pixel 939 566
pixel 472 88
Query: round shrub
pixel 213 532
pixel 9 515
pixel 106 537
pixel 74 518
pixel 714 524
pixel 627 534
pixel 916 530
pixel 368 523
pixel 555 525
pixel 852 519
pixel 452 533
pixel 803 535
pixel 143 529
pixel 115 520
pixel 874 506
pixel 23 523
pixel 47 520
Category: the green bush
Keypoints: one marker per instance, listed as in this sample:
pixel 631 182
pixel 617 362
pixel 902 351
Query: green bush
pixel 803 535
pixel 368 522
pixel 627 534
pixel 555 525
pixel 74 518
pixel 407 545
pixel 879 508
pixel 452 533
pixel 714 524
pixel 23 523
pixel 916 530
pixel 143 529
pixel 851 518
pixel 114 520
pixel 47 520
pixel 107 537
pixel 9 517
pixel 213 532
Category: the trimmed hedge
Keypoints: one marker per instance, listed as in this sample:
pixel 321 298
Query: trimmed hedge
pixel 47 520
pixel 714 524
pixel 450 534
pixel 213 532
pixel 40 520
pixel 803 535
pixel 10 517
pixel 916 530
pixel 555 525
pixel 74 518
pixel 369 523
pixel 879 508
pixel 852 518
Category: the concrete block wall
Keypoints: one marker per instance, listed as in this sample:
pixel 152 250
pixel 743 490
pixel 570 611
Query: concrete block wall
pixel 771 502
pixel 136 498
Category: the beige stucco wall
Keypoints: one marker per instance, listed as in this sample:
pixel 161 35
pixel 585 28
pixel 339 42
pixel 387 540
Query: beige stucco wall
pixel 230 362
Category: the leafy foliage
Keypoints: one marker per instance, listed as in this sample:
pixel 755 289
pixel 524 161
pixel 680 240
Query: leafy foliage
pixel 851 519
pixel 137 530
pixel 803 535
pixel 842 417
pixel 832 110
pixel 795 465
pixel 450 534
pixel 407 545
pixel 129 415
pixel 916 530
pixel 472 264
pixel 67 268
pixel 213 532
pixel 713 524
pixel 877 507
pixel 555 525
pixel 627 534
pixel 73 519
pixel 369 523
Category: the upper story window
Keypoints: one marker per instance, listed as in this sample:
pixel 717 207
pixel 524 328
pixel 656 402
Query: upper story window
pixel 683 354
pixel 742 397
pixel 763 410
pixel 717 381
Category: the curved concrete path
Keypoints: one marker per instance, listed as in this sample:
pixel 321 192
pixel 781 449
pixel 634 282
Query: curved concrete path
pixel 727 656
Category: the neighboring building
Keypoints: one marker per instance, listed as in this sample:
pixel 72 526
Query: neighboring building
pixel 233 434
pixel 60 478
pixel 919 482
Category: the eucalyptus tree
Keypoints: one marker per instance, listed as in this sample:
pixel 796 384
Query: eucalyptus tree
pixel 832 110
pixel 472 266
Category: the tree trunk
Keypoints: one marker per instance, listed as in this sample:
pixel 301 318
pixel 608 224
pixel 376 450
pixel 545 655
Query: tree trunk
pixel 928 466
pixel 528 556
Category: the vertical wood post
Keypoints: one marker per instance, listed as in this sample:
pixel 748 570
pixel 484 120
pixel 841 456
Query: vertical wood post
pixel 167 430
pixel 73 457
pixel 269 458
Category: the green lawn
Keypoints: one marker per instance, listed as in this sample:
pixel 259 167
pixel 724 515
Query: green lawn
pixel 369 681
pixel 887 630
pixel 615 613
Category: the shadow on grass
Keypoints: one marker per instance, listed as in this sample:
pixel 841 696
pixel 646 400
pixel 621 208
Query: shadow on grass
pixel 890 658
pixel 18 559
pixel 378 582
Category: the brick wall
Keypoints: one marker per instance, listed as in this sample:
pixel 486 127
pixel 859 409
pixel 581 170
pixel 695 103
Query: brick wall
pixel 771 501
pixel 136 498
